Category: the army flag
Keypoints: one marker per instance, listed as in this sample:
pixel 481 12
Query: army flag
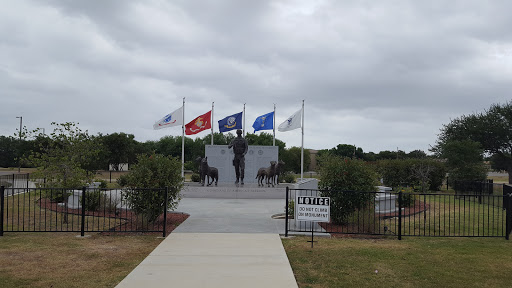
pixel 293 122
pixel 200 123
pixel 173 119
pixel 264 122
pixel 231 122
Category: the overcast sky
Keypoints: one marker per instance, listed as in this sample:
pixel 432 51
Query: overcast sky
pixel 380 75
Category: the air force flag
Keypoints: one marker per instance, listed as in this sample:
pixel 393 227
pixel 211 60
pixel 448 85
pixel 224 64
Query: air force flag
pixel 231 122
pixel 173 119
pixel 264 122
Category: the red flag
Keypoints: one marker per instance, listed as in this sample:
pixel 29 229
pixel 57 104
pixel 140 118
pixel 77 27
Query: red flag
pixel 199 124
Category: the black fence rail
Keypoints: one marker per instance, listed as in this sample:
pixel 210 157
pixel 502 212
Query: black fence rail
pixel 78 210
pixel 413 214
pixel 20 181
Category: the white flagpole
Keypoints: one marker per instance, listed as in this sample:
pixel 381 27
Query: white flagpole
pixel 243 123
pixel 302 146
pixel 212 122
pixel 274 124
pixel 183 143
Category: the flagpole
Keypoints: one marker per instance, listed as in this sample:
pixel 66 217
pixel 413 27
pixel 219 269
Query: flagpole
pixel 302 146
pixel 183 143
pixel 212 122
pixel 274 124
pixel 243 123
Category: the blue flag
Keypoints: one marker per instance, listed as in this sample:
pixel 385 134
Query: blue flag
pixel 264 122
pixel 231 122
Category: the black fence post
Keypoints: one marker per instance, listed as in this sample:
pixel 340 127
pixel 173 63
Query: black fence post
pixel 2 191
pixel 165 211
pixel 400 215
pixel 82 229
pixel 508 224
pixel 286 212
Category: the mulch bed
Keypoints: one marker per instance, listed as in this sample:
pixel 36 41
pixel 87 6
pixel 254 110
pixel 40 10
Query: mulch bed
pixel 129 218
pixel 354 230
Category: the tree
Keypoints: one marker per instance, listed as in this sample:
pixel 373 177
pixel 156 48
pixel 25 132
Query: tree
pixel 150 172
pixel 65 159
pixel 292 159
pixel 118 148
pixel 342 178
pixel 8 147
pixel 464 160
pixel 492 129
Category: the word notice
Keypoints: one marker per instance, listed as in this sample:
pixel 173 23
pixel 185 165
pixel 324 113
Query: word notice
pixel 314 209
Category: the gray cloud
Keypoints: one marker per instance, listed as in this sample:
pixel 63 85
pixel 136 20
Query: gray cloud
pixel 379 75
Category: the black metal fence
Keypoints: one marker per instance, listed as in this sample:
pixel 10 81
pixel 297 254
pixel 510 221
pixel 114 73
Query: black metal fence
pixel 414 214
pixel 80 210
pixel 20 181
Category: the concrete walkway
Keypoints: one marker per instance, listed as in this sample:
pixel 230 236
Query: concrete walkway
pixel 224 243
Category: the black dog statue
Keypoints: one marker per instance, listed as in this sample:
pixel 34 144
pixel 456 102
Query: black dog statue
pixel 208 172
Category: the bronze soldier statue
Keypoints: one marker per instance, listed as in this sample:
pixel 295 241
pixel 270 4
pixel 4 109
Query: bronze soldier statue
pixel 240 148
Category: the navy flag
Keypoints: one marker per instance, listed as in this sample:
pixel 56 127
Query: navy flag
pixel 231 122
pixel 264 122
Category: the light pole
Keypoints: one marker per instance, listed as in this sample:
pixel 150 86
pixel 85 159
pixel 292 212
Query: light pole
pixel 19 147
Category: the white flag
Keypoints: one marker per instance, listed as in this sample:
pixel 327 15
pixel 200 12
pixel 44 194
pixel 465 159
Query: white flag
pixel 173 119
pixel 293 122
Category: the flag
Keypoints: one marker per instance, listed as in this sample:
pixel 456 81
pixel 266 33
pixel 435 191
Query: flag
pixel 173 119
pixel 231 122
pixel 264 122
pixel 293 122
pixel 199 124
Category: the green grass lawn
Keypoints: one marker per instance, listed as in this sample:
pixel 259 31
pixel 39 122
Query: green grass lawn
pixel 412 262
pixel 63 260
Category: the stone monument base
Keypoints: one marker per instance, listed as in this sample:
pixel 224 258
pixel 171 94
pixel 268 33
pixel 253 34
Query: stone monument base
pixel 231 191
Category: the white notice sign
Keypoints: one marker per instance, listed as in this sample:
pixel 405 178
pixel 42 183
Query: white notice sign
pixel 314 209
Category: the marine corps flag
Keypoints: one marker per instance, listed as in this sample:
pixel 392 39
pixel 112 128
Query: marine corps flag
pixel 199 124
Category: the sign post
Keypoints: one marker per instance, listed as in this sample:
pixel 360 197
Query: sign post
pixel 313 209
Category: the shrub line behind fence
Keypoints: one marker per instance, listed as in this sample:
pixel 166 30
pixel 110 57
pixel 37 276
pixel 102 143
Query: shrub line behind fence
pixel 78 210
pixel 402 214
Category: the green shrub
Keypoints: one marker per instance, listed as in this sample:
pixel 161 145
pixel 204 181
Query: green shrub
pixel 150 172
pixel 92 199
pixel 288 177
pixel 97 200
pixel 103 183
pixel 408 196
pixel 195 177
pixel 291 208
pixel 342 178
pixel 428 174
pixel 57 195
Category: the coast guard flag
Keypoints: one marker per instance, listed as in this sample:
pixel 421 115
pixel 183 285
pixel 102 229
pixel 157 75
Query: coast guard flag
pixel 199 124
pixel 173 119
pixel 293 122
pixel 231 122
pixel 264 122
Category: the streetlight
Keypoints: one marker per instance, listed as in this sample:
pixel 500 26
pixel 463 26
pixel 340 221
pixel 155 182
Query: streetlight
pixel 19 148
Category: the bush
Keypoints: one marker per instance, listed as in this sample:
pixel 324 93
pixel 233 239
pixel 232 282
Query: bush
pixel 92 199
pixel 342 178
pixel 195 177
pixel 288 177
pixel 428 174
pixel 408 196
pixel 97 200
pixel 154 171
pixel 103 183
